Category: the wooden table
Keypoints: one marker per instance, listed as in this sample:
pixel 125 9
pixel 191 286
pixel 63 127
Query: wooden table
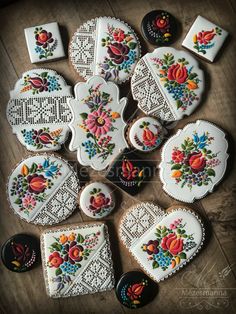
pixel 208 283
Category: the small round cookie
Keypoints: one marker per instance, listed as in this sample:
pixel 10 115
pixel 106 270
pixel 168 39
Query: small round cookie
pixel 107 47
pixel 159 27
pixel 20 253
pixel 145 134
pixel 97 200
pixel 135 289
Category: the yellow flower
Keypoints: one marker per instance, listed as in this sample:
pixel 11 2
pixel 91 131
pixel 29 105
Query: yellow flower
pixel 140 173
pixel 195 38
pixel 167 35
pixel 63 238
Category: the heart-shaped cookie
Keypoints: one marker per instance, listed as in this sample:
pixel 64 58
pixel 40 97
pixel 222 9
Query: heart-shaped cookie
pixel 161 242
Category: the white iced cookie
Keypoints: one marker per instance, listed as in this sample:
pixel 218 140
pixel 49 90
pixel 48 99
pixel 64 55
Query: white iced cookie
pixel 105 46
pixel 43 189
pixel 97 126
pixel 167 83
pixel 38 111
pixel 194 161
pixel 162 243
pixel 97 200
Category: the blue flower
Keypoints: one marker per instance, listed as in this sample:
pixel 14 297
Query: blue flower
pixel 48 173
pixel 202 145
pixel 46 163
pixel 203 138
pixel 195 138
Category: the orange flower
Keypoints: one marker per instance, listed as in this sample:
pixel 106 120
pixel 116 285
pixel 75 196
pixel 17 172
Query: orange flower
pixel 115 115
pixel 176 174
pixel 63 238
pixel 24 170
pixel 192 84
pixel 71 236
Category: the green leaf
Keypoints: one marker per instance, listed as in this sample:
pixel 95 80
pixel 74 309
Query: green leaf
pixel 132 45
pixel 192 76
pixel 80 238
pixel 44 74
pixel 182 255
pixel 211 172
pixel 176 167
pixel 155 265
pixel 84 115
pixel 56 246
pixel 18 201
pixel 179 103
pixel 183 146
pixel 58 271
pixel 33 168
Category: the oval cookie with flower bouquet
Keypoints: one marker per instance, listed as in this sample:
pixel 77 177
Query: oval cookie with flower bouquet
pixel 194 161
pixel 43 189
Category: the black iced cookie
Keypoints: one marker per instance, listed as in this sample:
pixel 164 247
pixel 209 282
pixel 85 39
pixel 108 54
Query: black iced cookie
pixel 129 172
pixel 159 27
pixel 135 289
pixel 20 253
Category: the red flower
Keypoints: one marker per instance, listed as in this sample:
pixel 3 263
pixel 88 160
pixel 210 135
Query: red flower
pixel 128 170
pixel 55 260
pixel 22 253
pixel 161 23
pixel 37 183
pixel 118 52
pixel 151 247
pixel 75 253
pixel 149 138
pixel 42 137
pixel 196 161
pixel 205 37
pixel 135 290
pixel 177 156
pixel 43 38
pixel 119 35
pixel 177 72
pixel 172 244
pixel 38 83
pixel 98 202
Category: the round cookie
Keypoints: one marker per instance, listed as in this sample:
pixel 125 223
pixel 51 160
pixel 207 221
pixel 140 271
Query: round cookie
pixel 105 46
pixel 194 161
pixel 20 253
pixel 135 289
pixel 159 27
pixel 167 83
pixel 97 200
pixel 42 189
pixel 145 134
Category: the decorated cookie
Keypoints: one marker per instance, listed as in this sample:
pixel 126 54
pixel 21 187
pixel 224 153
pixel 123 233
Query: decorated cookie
pixel 42 189
pixel 146 134
pixel 193 161
pixel 129 172
pixel 135 289
pixel 77 260
pixel 167 83
pixel 97 125
pixel 37 110
pixel 105 46
pixel 20 253
pixel 159 27
pixel 44 43
pixel 97 200
pixel 205 38
pixel 162 243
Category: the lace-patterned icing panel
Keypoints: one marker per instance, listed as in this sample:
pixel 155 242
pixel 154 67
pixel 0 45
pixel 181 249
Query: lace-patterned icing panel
pixel 82 49
pixel 147 93
pixel 61 205
pixel 138 220
pixel 39 110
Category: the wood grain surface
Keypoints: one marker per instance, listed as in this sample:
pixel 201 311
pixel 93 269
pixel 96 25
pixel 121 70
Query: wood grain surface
pixel 207 284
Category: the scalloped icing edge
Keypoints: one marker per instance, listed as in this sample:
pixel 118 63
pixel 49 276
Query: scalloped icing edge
pixel 162 156
pixel 41 154
pixel 113 18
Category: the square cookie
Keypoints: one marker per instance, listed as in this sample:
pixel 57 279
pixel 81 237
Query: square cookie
pixel 129 172
pixel 205 38
pixel 44 42
pixel 77 260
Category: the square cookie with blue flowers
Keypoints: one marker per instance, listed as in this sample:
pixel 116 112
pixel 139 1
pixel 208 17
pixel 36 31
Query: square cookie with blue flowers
pixel 205 38
pixel 44 42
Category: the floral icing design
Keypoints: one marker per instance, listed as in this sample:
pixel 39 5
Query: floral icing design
pixel 68 253
pixel 24 256
pixel 121 54
pixel 131 175
pixel 99 202
pixel 42 138
pixel 45 43
pixel 193 164
pixel 97 123
pixel 41 82
pixel 30 185
pixel 162 25
pixel 179 79
pixel 203 40
pixel 170 246
pixel 131 294
pixel 149 139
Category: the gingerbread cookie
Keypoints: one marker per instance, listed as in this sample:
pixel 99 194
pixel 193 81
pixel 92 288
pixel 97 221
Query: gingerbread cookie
pixel 205 38
pixel 194 161
pixel 167 83
pixel 37 110
pixel 162 243
pixel 107 47
pixel 77 260
pixel 42 189
pixel 97 125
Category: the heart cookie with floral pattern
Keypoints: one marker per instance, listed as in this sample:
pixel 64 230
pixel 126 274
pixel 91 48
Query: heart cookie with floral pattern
pixel 161 242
